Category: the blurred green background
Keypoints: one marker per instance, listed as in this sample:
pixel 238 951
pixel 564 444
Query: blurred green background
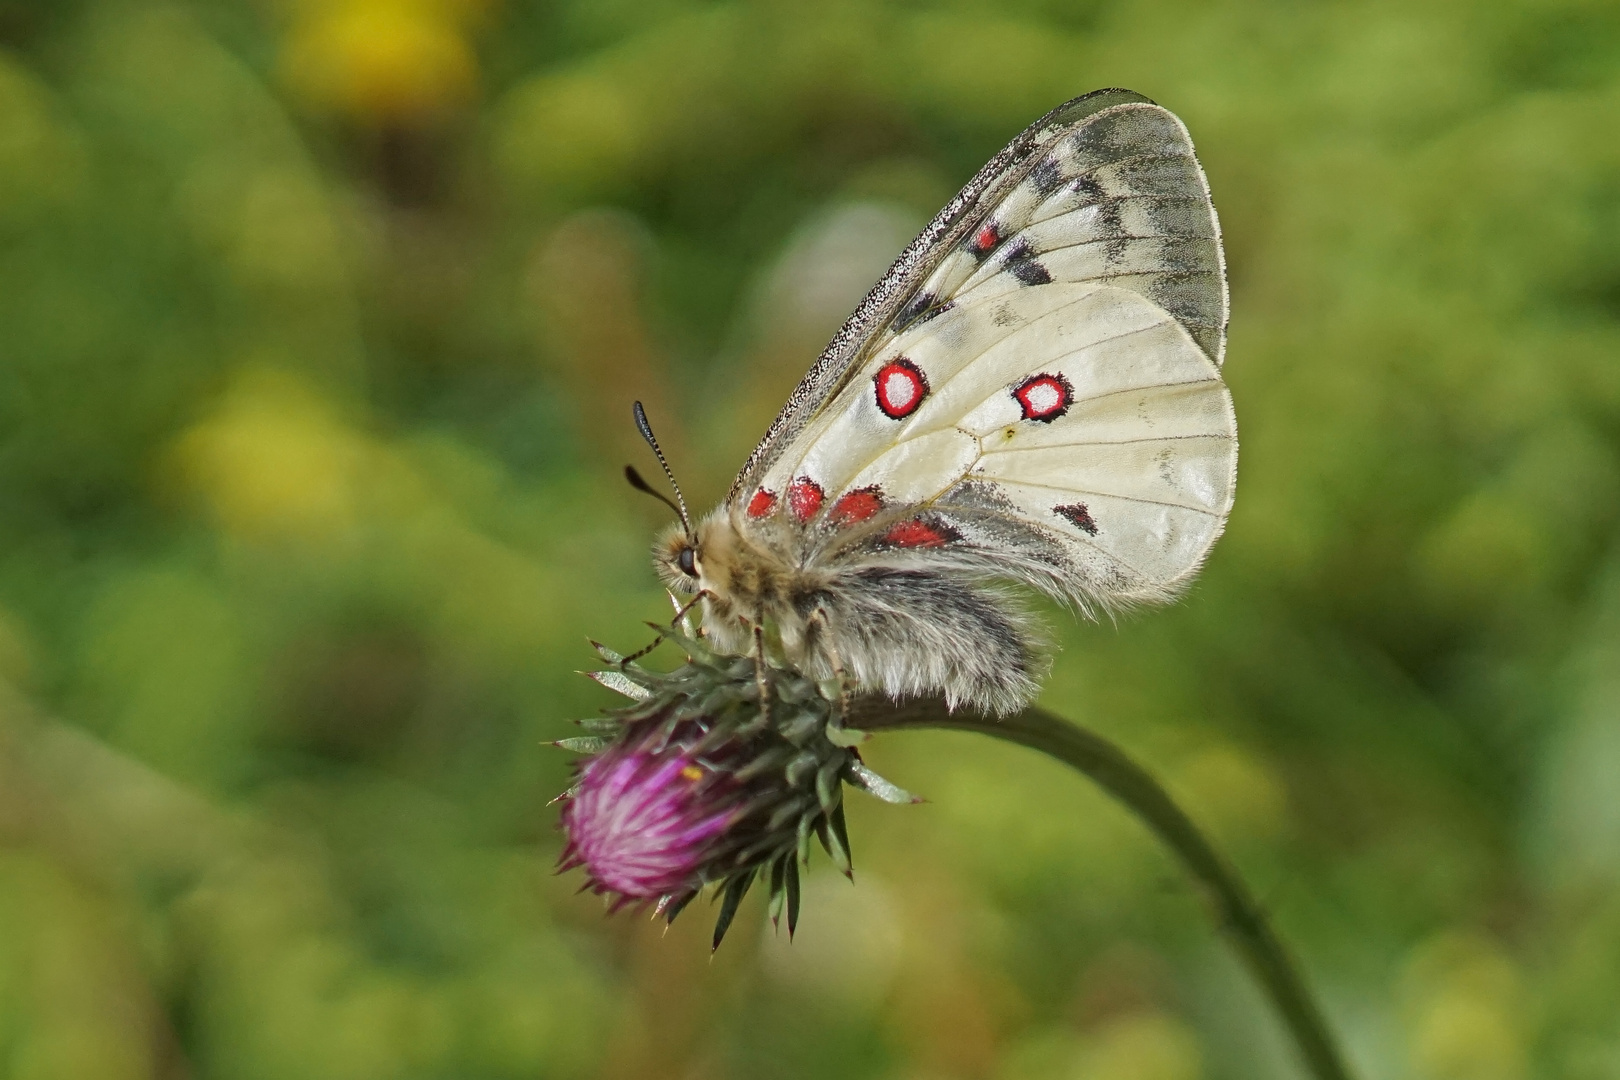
pixel 319 321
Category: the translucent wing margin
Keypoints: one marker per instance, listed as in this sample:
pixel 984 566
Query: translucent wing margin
pixel 1104 188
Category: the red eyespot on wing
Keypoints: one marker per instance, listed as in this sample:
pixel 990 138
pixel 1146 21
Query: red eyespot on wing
pixel 921 534
pixel 901 387
pixel 987 238
pixel 762 503
pixel 856 506
pixel 1044 397
pixel 1080 516
pixel 804 497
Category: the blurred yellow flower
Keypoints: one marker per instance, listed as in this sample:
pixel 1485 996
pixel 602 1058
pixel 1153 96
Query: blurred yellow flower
pixel 41 157
pixel 382 61
pixel 275 461
pixel 1234 792
pixel 1465 1010
pixel 571 132
pixel 1143 1046
pixel 16 650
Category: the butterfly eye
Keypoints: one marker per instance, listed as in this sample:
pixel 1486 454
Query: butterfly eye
pixel 687 561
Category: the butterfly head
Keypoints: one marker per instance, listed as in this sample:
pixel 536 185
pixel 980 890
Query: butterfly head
pixel 678 559
pixel 704 559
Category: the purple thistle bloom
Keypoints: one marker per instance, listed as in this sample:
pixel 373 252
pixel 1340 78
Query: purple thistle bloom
pixel 644 822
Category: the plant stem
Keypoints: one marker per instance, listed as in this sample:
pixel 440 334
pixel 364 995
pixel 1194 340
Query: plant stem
pixel 1109 766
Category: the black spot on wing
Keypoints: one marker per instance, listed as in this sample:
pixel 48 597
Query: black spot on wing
pixel 922 307
pixel 1046 177
pixel 1088 188
pixel 1079 515
pixel 1029 271
pixel 1021 263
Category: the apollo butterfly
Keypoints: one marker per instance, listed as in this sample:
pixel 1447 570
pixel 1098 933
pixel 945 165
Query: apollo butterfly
pixel 1032 393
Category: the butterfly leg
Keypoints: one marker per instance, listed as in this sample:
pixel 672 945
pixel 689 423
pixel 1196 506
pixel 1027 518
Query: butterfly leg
pixel 659 640
pixel 818 622
pixel 643 651
pixel 688 606
pixel 761 677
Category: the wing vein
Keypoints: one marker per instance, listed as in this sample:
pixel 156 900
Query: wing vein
pixel 1096 442
pixel 1106 495
pixel 1116 237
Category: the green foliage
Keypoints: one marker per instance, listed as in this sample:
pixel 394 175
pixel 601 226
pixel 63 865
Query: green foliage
pixel 319 324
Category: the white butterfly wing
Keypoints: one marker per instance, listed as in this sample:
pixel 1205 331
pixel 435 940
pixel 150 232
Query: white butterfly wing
pixel 1120 199
pixel 1043 395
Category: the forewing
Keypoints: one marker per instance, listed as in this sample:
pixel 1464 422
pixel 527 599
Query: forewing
pixel 1035 390
pixel 1105 188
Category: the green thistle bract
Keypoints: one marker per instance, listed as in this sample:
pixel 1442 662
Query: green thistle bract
pixel 695 785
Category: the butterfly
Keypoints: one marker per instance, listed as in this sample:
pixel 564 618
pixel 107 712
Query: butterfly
pixel 1031 395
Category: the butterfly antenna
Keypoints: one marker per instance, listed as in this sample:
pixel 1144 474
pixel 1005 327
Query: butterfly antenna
pixel 635 478
pixel 639 482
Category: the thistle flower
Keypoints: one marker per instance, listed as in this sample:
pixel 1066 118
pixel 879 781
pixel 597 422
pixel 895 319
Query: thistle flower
pixel 696 785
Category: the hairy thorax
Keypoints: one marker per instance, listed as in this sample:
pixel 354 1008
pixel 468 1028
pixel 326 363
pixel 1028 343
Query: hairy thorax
pixel 749 585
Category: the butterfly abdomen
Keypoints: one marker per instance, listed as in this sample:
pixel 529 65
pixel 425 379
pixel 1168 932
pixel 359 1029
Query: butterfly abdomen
pixel 910 632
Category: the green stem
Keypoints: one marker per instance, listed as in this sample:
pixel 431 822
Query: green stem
pixel 1106 764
